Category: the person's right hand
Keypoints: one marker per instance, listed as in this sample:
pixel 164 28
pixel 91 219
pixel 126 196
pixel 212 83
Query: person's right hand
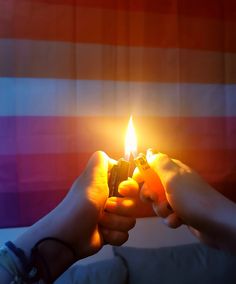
pixel 208 214
pixel 186 192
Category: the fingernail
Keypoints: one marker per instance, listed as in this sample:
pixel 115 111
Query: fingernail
pixel 154 206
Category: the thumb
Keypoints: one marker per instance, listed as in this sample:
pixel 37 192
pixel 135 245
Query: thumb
pixel 163 166
pixel 95 177
pixel 97 166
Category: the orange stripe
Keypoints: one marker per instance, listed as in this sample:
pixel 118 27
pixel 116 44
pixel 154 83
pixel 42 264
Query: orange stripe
pixel 39 21
pixel 98 62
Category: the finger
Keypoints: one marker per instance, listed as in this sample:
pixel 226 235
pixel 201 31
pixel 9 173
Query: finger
pixel 114 238
pixel 195 232
pixel 116 222
pixel 181 165
pixel 166 169
pixel 120 205
pixel 137 176
pixel 147 195
pixel 173 221
pixel 151 152
pixel 161 162
pixel 133 208
pixel 111 163
pixel 129 188
pixel 162 209
pixel 98 165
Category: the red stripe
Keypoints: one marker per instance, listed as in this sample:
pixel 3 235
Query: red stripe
pixel 39 21
pixel 208 9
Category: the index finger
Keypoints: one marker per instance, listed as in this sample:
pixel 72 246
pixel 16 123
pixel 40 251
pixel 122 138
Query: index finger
pixel 129 188
pixel 137 176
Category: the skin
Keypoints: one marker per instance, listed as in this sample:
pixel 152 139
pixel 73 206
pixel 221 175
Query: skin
pixel 209 215
pixel 87 219
pixel 81 220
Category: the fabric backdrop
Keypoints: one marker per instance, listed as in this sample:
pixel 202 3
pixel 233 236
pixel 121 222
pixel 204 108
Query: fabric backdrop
pixel 72 71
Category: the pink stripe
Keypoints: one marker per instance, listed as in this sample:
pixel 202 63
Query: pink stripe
pixel 54 171
pixel 31 185
pixel 27 207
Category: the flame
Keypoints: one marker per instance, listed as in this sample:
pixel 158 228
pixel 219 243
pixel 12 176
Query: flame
pixel 130 140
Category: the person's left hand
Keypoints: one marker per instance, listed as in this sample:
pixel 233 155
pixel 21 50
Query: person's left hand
pixel 86 225
pixel 130 203
pixel 79 220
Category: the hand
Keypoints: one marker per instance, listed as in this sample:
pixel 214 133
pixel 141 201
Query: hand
pixel 208 214
pixel 76 219
pixel 184 190
pixel 89 194
pixel 130 204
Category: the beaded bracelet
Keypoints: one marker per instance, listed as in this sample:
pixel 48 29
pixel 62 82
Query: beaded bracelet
pixel 9 264
pixel 24 270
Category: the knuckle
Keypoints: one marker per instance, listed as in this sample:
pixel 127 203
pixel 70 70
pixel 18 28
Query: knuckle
pixel 163 159
pixel 165 162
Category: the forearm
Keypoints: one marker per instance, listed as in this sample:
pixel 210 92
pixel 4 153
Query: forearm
pixel 57 257
pixel 225 222
pixel 5 276
pixel 75 222
pixel 68 223
pixel 216 221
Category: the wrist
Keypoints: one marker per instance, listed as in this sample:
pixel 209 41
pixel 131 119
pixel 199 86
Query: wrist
pixel 218 222
pixel 51 257
pixel 60 223
pixel 46 261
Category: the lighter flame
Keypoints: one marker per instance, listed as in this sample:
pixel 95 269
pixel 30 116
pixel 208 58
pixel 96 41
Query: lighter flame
pixel 130 140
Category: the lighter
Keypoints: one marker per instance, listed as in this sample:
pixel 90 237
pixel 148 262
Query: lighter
pixel 150 176
pixel 119 173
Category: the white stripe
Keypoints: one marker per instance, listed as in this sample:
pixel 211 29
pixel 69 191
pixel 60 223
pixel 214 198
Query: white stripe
pixel 54 97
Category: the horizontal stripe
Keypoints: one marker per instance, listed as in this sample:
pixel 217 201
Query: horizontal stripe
pixel 200 8
pixel 26 208
pixel 23 58
pixel 39 21
pixel 32 185
pixel 45 172
pixel 42 135
pixel 53 97
pixel 57 172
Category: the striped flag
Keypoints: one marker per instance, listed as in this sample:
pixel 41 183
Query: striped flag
pixel 72 72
